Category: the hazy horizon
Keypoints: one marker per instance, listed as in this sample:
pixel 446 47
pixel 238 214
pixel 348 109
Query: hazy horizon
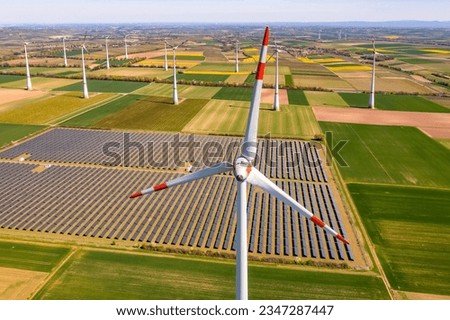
pixel 221 11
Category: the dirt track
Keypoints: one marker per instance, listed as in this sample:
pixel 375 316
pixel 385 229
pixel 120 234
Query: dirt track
pixel 436 125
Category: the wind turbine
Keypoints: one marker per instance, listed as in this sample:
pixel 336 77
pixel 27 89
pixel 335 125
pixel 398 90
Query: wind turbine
pixel 166 65
pixel 372 85
pixel 85 88
pixel 29 85
pixel 64 50
pixel 175 90
pixel 237 56
pixel 276 101
pixel 107 53
pixel 27 65
pixel 244 172
pixel 126 47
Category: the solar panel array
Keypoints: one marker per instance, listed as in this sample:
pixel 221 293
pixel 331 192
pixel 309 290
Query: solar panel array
pixel 146 150
pixel 93 202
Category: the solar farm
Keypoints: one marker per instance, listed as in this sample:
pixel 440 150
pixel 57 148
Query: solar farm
pixel 68 166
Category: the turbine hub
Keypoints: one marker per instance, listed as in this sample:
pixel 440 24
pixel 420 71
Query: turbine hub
pixel 242 168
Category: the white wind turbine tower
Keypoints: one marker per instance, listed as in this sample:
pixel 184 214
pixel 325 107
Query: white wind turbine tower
pixel 166 64
pixel 27 65
pixel 276 101
pixel 244 172
pixel 372 85
pixel 107 53
pixel 85 88
pixel 237 56
pixel 175 90
pixel 126 47
pixel 65 52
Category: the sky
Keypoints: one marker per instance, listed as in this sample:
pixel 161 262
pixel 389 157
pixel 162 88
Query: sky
pixel 149 11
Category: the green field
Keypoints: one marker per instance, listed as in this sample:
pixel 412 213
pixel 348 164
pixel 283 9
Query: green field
pixel 10 78
pixel 234 93
pixel 394 102
pixel 109 275
pixel 201 77
pixel 30 256
pixel 288 80
pixel 385 154
pixel 297 97
pixel 410 228
pixel 13 132
pixel 44 111
pixel 325 99
pixel 154 113
pixel 105 86
pixel 230 118
pixel 90 118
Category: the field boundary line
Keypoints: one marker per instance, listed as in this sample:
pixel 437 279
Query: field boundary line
pixel 373 155
pixel 355 214
pixel 53 273
pixel 66 117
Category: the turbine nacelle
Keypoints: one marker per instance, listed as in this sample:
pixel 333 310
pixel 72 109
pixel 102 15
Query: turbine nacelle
pixel 242 168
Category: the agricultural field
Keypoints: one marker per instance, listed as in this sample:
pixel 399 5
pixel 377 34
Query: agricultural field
pixel 393 155
pixel 13 132
pixel 319 81
pixel 230 117
pixel 91 117
pixel 184 91
pixel 105 86
pixel 9 78
pixel 133 72
pixel 47 110
pixel 325 99
pixel 223 67
pixel 39 83
pixel 394 102
pixel 234 93
pixel 201 77
pixel 30 256
pixel 138 276
pixel 410 228
pixel 154 113
pixel 386 84
pixel 297 97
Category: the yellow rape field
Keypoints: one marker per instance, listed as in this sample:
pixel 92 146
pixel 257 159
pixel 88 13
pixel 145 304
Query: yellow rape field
pixel 349 68
pixel 439 51
pixel 328 60
pixel 305 60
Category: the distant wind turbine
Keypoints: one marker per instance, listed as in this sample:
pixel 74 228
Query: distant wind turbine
pixel 85 88
pixel 107 53
pixel 29 86
pixel 27 65
pixel 276 101
pixel 65 52
pixel 126 47
pixel 372 85
pixel 237 56
pixel 175 90
pixel 166 64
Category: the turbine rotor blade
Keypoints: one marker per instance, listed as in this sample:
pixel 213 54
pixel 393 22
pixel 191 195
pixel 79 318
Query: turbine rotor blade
pixel 257 179
pixel 251 132
pixel 200 174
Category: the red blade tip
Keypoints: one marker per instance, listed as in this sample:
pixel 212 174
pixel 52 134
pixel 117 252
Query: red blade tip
pixel 266 37
pixel 342 239
pixel 135 195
